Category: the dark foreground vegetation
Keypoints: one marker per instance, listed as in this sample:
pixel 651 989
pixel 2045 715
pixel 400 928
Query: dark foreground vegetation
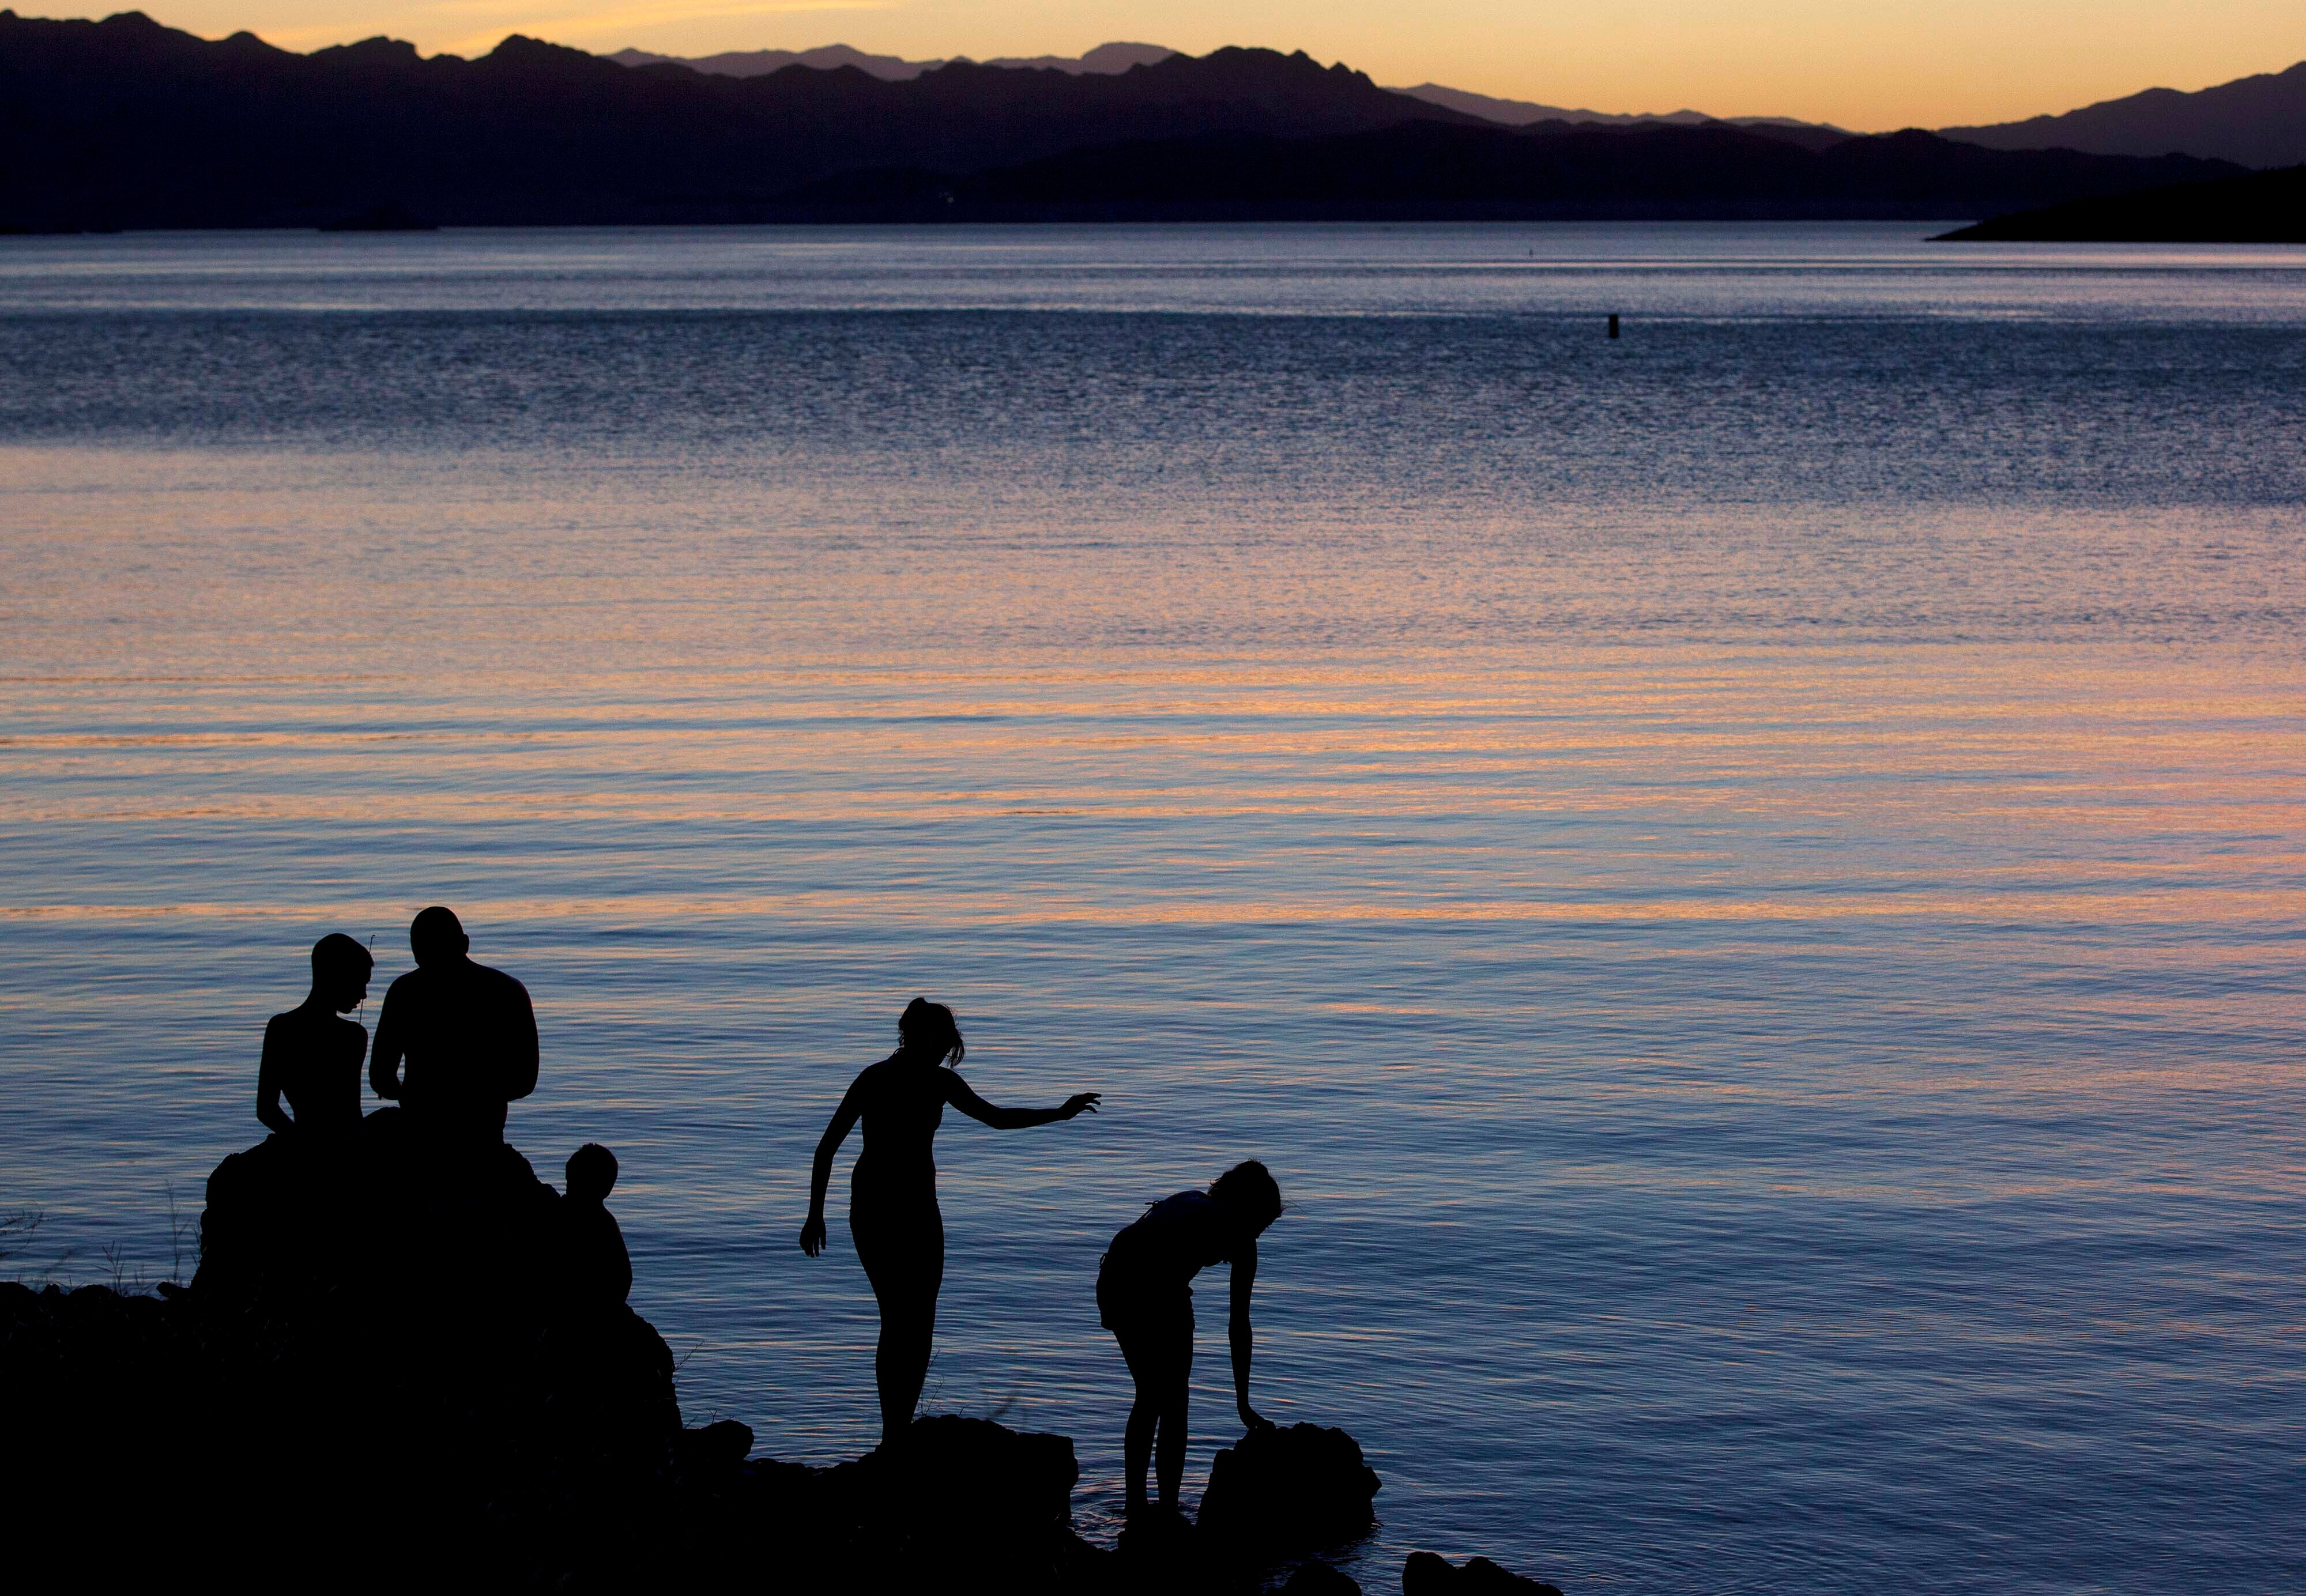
pixel 395 1369
pixel 124 123
pixel 2261 208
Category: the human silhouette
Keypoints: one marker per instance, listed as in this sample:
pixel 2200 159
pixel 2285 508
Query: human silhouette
pixel 467 1034
pixel 1145 1298
pixel 892 1207
pixel 600 1269
pixel 311 1056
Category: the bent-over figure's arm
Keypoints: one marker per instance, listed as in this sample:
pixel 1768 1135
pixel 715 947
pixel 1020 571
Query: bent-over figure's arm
pixel 1244 1276
pixel 958 1093
pixel 820 1174
pixel 268 1081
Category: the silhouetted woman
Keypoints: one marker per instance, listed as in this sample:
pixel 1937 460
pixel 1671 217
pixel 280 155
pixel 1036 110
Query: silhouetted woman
pixel 311 1056
pixel 1145 1298
pixel 892 1207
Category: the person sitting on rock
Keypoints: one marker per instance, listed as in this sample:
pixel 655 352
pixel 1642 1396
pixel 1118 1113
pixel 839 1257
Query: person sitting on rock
pixel 1143 1296
pixel 600 1269
pixel 313 1057
pixel 468 1033
pixel 892 1206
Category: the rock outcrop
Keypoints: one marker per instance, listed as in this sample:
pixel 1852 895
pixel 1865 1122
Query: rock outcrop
pixel 1289 1490
pixel 1426 1574
pixel 378 1373
pixel 385 1375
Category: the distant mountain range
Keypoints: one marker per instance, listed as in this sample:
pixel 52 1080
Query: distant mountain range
pixel 2254 121
pixel 1521 113
pixel 1120 57
pixel 891 69
pixel 127 124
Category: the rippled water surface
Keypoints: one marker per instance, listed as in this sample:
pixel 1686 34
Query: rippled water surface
pixel 1746 878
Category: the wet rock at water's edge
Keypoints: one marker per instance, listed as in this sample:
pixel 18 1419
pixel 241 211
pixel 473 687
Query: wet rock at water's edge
pixel 1281 1491
pixel 1428 1574
pixel 955 1503
pixel 1320 1579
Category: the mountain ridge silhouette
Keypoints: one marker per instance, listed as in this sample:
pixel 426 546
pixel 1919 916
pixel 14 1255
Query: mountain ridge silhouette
pixel 2256 121
pixel 127 124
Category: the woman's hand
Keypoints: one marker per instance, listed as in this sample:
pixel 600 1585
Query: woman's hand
pixel 1079 1103
pixel 812 1235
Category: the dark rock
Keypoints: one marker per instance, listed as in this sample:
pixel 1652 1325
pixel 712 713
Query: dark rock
pixel 1161 1551
pixel 1319 1579
pixel 1282 1490
pixel 1427 1575
pixel 723 1444
pixel 370 1324
pixel 1480 1574
pixel 956 1503
pixel 977 1471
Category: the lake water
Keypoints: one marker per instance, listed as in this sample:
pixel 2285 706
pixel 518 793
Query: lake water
pixel 1746 879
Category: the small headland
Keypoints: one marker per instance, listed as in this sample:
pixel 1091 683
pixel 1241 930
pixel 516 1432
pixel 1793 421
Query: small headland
pixel 2261 208
pixel 393 1368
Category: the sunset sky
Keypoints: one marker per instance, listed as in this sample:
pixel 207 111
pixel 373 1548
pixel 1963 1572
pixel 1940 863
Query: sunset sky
pixel 1864 65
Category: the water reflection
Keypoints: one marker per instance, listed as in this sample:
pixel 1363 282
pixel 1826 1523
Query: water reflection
pixel 1748 895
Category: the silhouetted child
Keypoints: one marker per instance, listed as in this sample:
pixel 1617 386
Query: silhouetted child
pixel 1145 1298
pixel 600 1269
pixel 311 1056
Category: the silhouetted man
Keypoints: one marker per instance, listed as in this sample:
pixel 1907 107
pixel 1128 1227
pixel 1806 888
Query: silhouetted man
pixel 314 1056
pixel 468 1033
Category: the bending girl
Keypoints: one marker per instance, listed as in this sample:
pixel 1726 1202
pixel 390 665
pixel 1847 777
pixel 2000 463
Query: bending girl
pixel 892 1207
pixel 1144 1298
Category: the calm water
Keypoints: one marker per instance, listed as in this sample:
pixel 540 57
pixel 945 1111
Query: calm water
pixel 1746 879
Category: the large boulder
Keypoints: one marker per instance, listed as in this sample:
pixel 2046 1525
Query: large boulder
pixel 1284 1490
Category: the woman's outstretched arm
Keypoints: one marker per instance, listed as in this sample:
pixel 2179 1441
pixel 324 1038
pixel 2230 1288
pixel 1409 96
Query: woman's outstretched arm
pixel 957 1092
pixel 812 1234
pixel 1244 1276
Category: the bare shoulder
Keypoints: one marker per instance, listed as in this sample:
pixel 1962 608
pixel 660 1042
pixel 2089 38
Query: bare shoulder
pixel 408 983
pixel 502 982
pixel 301 1027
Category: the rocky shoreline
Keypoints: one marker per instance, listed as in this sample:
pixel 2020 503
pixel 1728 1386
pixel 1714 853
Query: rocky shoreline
pixel 381 1375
